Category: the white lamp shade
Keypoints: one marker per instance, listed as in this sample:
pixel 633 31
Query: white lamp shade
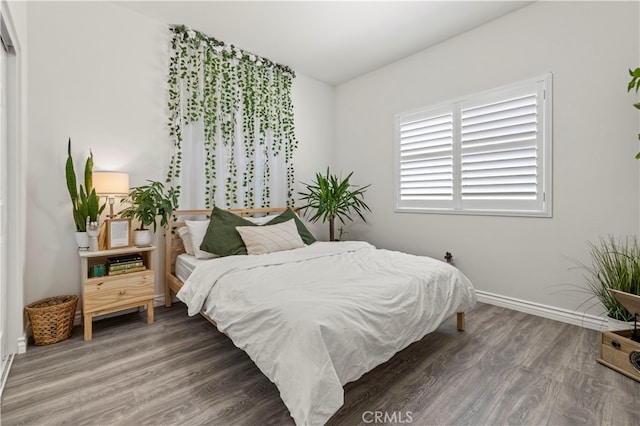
pixel 111 183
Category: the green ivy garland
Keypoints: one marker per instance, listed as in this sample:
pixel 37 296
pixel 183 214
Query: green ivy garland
pixel 217 84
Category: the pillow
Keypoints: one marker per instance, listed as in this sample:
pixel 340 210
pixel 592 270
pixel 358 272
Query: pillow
pixel 197 230
pixel 185 236
pixel 289 214
pixel 221 237
pixel 270 238
pixel 260 220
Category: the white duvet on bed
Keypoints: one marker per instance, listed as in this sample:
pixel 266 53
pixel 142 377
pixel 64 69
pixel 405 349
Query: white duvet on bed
pixel 318 317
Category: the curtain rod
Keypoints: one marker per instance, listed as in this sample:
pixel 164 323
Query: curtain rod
pixel 191 33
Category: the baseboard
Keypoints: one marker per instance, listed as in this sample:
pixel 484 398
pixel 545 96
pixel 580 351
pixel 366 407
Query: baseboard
pixel 22 344
pixel 6 366
pixel 158 300
pixel 589 321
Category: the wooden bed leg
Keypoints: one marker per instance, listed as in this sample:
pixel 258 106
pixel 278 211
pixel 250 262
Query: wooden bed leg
pixel 167 297
pixel 460 318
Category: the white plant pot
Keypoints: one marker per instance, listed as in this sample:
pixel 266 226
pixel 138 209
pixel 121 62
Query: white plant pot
pixel 82 238
pixel 617 325
pixel 142 238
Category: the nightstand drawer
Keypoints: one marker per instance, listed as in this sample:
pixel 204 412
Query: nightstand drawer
pixel 109 292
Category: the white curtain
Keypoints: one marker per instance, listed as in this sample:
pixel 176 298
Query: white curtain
pixel 232 124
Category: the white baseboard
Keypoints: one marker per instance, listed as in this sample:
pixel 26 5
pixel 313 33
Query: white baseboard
pixel 158 300
pixel 589 321
pixel 22 344
pixel 6 366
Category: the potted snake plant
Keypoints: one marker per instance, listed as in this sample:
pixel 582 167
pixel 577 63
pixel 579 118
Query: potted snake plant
pixel 84 201
pixel 147 203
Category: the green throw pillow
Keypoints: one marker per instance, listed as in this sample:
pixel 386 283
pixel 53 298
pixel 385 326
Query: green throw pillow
pixel 289 214
pixel 221 237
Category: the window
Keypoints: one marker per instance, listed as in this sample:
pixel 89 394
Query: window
pixel 488 153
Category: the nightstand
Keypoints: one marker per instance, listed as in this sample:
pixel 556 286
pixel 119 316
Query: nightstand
pixel 113 293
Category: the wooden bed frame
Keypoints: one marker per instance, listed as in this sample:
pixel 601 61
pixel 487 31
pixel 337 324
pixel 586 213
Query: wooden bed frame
pixel 174 247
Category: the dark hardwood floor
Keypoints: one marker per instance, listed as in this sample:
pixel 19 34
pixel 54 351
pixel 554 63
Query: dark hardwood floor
pixel 507 368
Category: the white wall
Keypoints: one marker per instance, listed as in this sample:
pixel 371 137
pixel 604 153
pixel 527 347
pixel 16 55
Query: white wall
pixel 313 104
pixel 15 14
pixel 588 47
pixel 97 74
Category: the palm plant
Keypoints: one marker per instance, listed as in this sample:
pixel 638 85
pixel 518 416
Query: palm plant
pixel 615 264
pixel 331 197
pixel 85 202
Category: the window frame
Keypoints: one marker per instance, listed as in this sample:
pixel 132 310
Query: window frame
pixel 540 207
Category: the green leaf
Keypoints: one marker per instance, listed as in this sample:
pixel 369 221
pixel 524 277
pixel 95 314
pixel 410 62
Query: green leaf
pixel 71 176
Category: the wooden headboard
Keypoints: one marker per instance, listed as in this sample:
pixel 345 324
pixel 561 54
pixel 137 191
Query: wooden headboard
pixel 174 246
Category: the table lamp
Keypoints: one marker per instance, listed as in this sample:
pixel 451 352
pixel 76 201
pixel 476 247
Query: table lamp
pixel 111 185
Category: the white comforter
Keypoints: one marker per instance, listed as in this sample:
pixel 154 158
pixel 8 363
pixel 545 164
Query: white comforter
pixel 315 318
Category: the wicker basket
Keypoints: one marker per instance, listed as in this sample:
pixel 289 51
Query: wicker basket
pixel 52 318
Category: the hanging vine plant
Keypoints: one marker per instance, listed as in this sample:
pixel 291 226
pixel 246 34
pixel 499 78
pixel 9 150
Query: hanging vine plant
pixel 229 91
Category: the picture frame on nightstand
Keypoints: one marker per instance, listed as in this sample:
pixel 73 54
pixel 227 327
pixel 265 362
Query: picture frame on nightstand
pixel 118 233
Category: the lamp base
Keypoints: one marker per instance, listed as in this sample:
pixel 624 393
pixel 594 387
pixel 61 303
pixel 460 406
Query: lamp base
pixel 112 201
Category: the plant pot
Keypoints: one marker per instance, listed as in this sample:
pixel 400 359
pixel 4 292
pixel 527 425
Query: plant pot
pixel 142 238
pixel 617 325
pixel 82 238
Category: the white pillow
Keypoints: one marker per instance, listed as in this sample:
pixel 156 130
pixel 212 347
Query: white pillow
pixel 270 238
pixel 260 220
pixel 197 229
pixel 184 234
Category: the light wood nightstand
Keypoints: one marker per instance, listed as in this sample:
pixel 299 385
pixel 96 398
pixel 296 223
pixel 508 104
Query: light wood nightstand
pixel 107 294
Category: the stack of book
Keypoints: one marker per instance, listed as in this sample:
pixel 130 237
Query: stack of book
pixel 117 265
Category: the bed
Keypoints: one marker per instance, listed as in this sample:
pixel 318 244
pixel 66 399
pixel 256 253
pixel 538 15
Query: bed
pixel 316 317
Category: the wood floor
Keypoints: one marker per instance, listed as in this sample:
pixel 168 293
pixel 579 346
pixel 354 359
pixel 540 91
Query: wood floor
pixel 507 368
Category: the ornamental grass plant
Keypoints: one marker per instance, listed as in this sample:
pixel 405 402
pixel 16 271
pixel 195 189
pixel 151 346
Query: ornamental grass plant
pixel 615 264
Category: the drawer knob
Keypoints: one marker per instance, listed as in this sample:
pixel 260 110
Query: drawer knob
pixel 616 344
pixel 123 292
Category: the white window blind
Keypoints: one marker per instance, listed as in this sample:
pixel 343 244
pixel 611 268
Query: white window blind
pixel 487 153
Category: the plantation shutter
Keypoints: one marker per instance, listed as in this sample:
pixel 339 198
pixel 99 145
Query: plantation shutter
pixel 426 158
pixel 500 150
pixel 488 153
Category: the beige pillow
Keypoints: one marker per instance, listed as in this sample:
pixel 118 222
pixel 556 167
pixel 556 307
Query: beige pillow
pixel 270 238
pixel 184 234
pixel 197 229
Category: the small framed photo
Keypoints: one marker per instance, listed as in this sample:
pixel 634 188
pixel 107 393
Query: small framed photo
pixel 118 233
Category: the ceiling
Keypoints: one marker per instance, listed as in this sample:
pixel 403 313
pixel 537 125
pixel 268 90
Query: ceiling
pixel 331 41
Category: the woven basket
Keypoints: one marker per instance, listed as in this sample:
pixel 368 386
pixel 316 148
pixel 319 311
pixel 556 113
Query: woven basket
pixel 52 318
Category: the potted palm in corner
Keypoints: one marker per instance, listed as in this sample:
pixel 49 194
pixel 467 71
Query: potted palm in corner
pixel 330 198
pixel 85 203
pixel 147 204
